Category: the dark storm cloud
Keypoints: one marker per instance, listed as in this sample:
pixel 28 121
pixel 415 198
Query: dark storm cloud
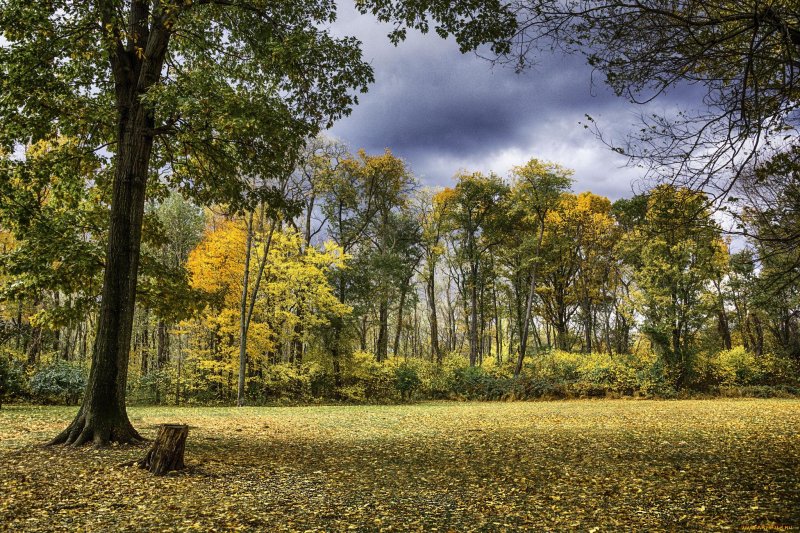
pixel 443 111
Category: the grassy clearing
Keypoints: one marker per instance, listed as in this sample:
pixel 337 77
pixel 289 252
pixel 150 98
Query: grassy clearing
pixel 587 465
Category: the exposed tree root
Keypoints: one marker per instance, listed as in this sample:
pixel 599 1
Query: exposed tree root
pixel 85 430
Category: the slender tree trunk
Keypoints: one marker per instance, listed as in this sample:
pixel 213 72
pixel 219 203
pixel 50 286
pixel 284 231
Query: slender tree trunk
pixel 537 340
pixel 451 319
pixel 35 345
pixel 498 335
pixel 145 343
pixel 436 351
pixel 247 306
pixel 162 351
pixel 523 337
pixel 57 331
pixel 179 369
pixel 85 340
pixel 243 314
pixel 473 315
pixel 415 334
pixel 482 333
pixel 382 347
pixel 400 307
pixel 362 333
pixel 18 340
pixel 336 356
pixel 587 329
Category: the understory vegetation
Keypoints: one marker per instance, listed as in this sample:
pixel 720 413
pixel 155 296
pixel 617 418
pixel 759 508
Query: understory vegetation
pixel 554 374
pixel 706 465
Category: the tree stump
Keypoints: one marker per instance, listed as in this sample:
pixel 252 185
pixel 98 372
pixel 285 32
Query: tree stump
pixel 166 454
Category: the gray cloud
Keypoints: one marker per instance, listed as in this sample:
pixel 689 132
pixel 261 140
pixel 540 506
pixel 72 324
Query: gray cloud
pixel 443 111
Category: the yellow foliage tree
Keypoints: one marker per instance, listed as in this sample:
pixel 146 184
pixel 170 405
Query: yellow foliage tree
pixel 294 284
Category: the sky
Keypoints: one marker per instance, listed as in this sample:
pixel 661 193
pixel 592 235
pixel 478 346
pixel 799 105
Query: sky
pixel 443 111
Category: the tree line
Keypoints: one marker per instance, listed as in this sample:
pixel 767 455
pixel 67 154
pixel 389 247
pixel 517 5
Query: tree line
pixel 348 260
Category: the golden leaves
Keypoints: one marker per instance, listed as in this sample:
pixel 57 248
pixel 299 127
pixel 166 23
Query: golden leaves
pixel 585 465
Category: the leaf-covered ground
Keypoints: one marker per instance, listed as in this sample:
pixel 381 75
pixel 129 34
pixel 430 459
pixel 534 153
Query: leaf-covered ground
pixel 585 465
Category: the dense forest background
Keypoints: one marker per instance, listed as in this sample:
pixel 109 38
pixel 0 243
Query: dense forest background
pixel 349 280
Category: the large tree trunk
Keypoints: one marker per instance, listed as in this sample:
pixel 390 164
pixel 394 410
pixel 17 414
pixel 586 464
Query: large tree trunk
pixel 102 417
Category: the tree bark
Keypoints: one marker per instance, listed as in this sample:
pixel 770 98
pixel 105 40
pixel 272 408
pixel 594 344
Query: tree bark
pixel 473 315
pixel 383 330
pixel 523 334
pixel 243 314
pixel 103 418
pixel 588 323
pixel 167 451
pixel 436 351
pixel 162 350
pixel 398 331
pixel 145 343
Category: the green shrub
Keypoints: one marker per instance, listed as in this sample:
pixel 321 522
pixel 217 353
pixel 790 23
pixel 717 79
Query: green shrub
pixel 477 383
pixel 760 391
pixel 406 380
pixel 528 386
pixel 656 381
pixel 319 379
pixel 59 382
pixel 151 388
pixel 11 377
pixel 777 370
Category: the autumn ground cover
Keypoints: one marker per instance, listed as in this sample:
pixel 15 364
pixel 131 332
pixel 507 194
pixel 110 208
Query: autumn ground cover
pixel 588 465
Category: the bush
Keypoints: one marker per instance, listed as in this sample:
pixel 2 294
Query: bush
pixel 736 366
pixel 760 391
pixel 59 382
pixel 477 383
pixel 777 370
pixel 285 381
pixel 558 366
pixel 11 377
pixel 527 386
pixel 364 379
pixel 152 388
pixel 406 380
pixel 656 381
